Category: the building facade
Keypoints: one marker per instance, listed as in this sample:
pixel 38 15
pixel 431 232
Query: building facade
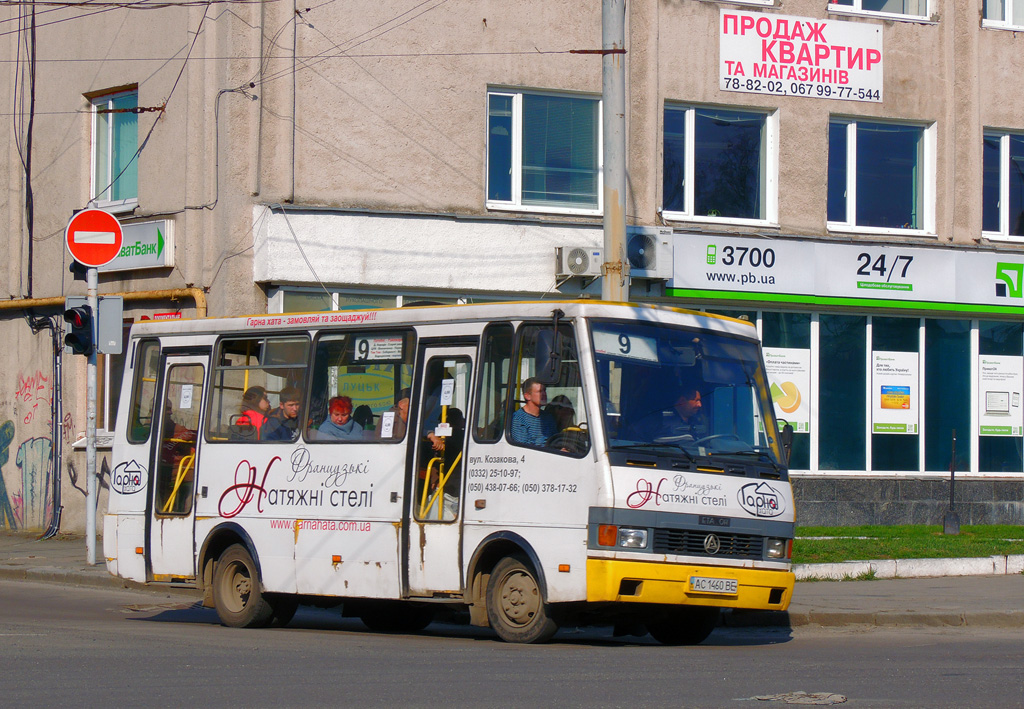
pixel 849 176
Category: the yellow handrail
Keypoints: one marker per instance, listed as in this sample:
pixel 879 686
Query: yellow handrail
pixel 183 469
pixel 439 490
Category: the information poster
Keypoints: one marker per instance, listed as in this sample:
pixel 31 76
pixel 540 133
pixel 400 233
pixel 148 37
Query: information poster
pixel 895 388
pixel 789 378
pixel 1000 380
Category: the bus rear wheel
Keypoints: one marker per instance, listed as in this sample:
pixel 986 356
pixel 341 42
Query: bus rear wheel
pixel 515 604
pixel 237 591
pixel 683 626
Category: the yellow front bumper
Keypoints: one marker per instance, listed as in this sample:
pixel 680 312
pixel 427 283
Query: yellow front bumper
pixel 660 582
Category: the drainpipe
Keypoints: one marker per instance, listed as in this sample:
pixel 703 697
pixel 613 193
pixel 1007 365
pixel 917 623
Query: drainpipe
pixel 196 294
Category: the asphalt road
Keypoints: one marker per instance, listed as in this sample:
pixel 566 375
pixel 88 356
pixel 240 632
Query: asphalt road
pixel 63 645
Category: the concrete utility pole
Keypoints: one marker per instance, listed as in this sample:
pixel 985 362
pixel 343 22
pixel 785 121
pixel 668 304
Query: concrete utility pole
pixel 615 284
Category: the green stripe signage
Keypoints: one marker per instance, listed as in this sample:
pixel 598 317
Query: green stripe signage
pixel 820 275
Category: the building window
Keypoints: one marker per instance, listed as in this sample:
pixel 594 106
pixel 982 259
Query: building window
pixel 115 145
pixel 880 177
pixel 1002 192
pixel 543 152
pixel 719 165
pixel 891 8
pixel 1003 13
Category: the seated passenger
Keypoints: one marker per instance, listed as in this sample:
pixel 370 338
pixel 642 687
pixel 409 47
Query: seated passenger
pixel 282 423
pixel 531 424
pixel 363 415
pixel 255 406
pixel 399 416
pixel 339 424
pixel 562 411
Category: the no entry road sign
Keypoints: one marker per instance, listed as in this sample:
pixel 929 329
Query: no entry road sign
pixel 93 237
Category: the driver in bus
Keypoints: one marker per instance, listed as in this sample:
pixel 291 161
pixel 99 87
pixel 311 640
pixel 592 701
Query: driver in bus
pixel 531 424
pixel 684 420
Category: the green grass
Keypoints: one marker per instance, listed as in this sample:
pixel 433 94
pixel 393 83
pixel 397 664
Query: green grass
pixel 904 542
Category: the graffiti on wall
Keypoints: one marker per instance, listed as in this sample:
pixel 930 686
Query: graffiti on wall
pixel 8 520
pixel 33 390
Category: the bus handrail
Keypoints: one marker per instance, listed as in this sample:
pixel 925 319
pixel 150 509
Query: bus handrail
pixel 183 469
pixel 425 505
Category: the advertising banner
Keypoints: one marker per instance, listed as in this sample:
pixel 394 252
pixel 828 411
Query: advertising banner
pixel 1000 383
pixel 894 392
pixel 790 270
pixel 789 378
pixel 783 55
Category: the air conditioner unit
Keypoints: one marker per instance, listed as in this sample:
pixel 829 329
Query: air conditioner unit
pixel 578 261
pixel 649 250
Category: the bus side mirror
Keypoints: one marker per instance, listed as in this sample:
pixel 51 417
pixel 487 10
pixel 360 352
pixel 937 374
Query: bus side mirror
pixel 549 357
pixel 787 441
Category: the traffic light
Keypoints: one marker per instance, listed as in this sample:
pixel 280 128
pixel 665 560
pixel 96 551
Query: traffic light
pixel 79 338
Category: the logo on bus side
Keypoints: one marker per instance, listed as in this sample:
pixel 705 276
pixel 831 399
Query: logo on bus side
pixel 128 478
pixel 761 500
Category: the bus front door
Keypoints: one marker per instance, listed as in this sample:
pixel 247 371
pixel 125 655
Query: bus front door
pixel 435 514
pixel 174 459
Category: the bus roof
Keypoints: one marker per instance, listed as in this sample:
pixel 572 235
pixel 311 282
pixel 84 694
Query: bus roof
pixel 436 314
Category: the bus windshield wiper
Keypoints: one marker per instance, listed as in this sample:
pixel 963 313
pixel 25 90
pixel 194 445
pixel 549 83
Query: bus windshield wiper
pixel 655 446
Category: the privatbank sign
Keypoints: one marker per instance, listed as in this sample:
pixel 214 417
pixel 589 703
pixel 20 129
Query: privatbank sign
pixel 144 245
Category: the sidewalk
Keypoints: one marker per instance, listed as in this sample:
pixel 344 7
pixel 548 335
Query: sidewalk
pixel 956 600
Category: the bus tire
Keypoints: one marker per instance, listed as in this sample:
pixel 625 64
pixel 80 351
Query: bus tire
pixel 237 591
pixel 284 606
pixel 515 603
pixel 683 626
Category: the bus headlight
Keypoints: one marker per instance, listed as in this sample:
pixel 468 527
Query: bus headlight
pixel 776 548
pixel 632 538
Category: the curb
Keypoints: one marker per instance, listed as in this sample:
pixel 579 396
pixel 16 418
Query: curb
pixel 879 619
pixel 74 577
pixel 998 565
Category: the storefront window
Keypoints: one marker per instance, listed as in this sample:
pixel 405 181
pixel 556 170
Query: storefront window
pixel 842 410
pixel 1000 453
pixel 895 451
pixel 947 385
pixel 300 302
pixel 787 341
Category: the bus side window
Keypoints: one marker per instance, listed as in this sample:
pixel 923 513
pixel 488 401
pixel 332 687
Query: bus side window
pixel 562 416
pixel 249 376
pixel 144 391
pixel 359 387
pixel 492 394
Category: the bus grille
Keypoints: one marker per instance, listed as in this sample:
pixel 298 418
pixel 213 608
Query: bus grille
pixel 691 543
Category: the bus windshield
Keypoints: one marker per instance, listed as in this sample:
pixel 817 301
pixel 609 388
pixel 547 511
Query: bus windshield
pixel 684 392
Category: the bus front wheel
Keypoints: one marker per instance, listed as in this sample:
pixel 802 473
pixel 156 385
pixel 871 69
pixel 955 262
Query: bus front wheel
pixel 237 591
pixel 683 626
pixel 515 604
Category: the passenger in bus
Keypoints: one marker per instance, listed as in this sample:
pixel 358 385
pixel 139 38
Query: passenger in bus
pixel 255 406
pixel 339 424
pixel 282 423
pixel 531 424
pixel 363 415
pixel 562 411
pixel 399 418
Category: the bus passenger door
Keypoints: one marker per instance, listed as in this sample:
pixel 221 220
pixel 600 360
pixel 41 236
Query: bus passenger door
pixel 434 512
pixel 174 461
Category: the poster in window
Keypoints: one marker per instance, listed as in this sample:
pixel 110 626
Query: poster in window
pixel 1000 384
pixel 895 392
pixel 789 379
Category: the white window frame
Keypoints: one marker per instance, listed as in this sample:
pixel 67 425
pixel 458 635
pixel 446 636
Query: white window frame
pixel 1007 22
pixel 116 206
pixel 927 172
pixel 1004 188
pixel 771 168
pixel 857 9
pixel 516 203
pixel 763 3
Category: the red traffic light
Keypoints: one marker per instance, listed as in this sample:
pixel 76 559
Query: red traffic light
pixel 79 338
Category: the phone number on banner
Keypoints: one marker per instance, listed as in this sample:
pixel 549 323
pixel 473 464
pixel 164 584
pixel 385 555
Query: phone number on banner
pixel 779 87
